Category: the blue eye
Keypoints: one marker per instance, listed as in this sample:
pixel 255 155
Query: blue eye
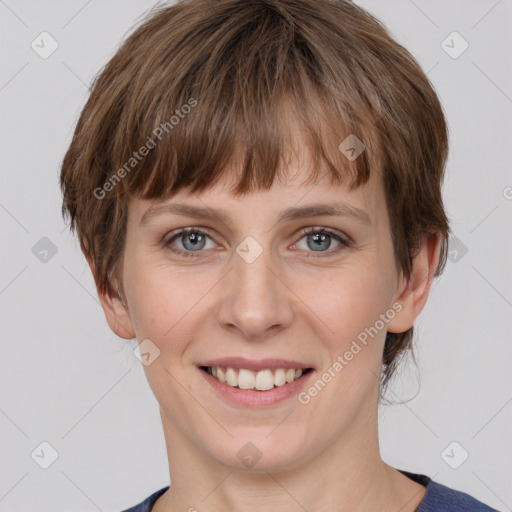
pixel 193 240
pixel 318 238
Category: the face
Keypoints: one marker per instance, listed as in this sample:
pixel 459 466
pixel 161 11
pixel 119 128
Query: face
pixel 257 286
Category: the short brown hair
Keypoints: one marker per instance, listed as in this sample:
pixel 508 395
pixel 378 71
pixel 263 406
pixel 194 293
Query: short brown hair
pixel 244 69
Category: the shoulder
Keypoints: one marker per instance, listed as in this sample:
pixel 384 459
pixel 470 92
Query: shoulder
pixel 147 504
pixel 441 498
pixel 438 498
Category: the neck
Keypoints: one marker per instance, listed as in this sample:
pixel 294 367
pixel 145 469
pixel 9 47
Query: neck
pixel 348 476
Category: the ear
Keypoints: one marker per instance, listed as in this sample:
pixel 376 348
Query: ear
pixel 116 309
pixel 412 292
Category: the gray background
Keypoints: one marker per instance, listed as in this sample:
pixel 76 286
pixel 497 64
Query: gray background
pixel 68 380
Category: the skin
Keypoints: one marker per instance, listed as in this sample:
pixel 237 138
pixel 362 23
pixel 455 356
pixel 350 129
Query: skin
pixel 321 456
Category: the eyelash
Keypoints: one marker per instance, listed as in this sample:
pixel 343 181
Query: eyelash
pixel 345 243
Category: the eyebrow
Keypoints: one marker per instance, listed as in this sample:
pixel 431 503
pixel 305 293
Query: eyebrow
pixel 292 213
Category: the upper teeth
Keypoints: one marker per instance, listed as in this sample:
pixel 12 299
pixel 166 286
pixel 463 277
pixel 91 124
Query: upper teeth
pixel 261 380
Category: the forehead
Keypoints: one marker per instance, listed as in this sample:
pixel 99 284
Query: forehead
pixel 291 198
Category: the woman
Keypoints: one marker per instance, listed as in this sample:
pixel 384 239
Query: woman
pixel 256 186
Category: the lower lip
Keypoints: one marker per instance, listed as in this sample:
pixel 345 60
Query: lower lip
pixel 254 398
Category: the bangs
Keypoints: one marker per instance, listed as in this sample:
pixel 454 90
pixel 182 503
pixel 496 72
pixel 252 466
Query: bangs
pixel 243 113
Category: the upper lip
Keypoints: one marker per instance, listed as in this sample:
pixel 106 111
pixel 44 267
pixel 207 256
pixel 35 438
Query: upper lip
pixel 252 364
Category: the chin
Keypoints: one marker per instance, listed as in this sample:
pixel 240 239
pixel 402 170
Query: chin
pixel 260 453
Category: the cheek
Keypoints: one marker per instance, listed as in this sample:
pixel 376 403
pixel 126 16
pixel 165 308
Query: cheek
pixel 350 306
pixel 348 299
pixel 164 301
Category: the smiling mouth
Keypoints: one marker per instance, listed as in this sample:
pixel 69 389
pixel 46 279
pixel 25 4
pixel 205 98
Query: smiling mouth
pixel 262 380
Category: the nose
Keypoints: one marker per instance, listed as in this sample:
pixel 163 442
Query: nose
pixel 256 302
